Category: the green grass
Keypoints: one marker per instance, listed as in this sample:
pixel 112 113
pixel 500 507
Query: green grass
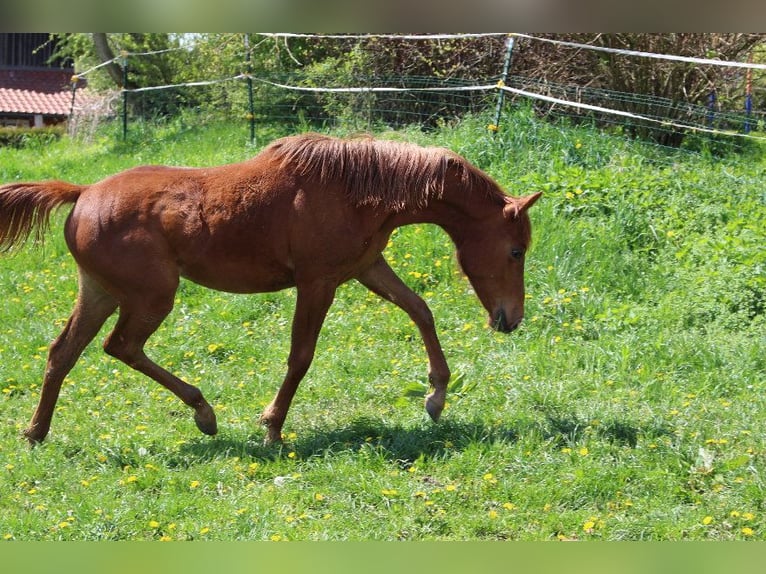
pixel 629 406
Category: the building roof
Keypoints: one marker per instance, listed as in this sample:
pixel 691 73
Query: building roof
pixel 38 91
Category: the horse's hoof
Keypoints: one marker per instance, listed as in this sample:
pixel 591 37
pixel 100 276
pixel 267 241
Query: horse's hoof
pixel 273 434
pixel 272 439
pixel 205 420
pixel 434 408
pixel 34 434
pixel 32 438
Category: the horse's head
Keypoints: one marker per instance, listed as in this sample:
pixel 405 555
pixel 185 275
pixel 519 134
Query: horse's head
pixel 492 257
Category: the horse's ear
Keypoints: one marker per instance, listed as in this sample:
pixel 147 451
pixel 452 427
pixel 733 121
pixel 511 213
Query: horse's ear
pixel 515 206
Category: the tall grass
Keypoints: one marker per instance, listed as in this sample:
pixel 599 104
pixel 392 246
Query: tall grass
pixel 630 404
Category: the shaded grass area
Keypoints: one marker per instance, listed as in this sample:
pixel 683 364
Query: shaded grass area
pixel 628 406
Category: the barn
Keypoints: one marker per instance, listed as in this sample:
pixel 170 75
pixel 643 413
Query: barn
pixel 36 88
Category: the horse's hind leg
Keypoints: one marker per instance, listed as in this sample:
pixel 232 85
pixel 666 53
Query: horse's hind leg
pixel 92 309
pixel 139 318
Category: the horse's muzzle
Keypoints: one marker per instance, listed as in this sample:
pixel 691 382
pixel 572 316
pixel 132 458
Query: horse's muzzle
pixel 499 322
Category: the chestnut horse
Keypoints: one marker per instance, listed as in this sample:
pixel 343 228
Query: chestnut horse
pixel 309 212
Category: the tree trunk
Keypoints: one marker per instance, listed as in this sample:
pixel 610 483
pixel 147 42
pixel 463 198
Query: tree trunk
pixel 105 54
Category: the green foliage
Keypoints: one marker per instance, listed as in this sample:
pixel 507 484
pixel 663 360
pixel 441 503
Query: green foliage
pixel 29 137
pixel 628 406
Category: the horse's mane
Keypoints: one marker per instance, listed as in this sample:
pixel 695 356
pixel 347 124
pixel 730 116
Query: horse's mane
pixel 390 174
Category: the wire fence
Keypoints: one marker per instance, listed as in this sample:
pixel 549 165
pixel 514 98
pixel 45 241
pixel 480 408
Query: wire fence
pixel 346 95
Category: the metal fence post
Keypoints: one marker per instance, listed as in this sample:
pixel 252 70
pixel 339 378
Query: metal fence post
pixel 124 95
pixel 749 96
pixel 251 109
pixel 493 127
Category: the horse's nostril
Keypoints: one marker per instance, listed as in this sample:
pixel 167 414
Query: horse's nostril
pixel 500 322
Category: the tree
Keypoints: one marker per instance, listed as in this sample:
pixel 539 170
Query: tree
pixel 106 55
pixel 151 59
pixel 664 89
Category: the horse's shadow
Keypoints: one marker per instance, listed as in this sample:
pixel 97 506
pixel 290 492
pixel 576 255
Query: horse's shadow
pixel 403 444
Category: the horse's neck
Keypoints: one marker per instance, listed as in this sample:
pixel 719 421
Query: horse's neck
pixel 454 211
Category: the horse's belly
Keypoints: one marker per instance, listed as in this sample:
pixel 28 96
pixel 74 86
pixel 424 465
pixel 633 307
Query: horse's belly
pixel 239 278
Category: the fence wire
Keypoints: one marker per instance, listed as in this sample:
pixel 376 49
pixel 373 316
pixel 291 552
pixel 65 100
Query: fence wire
pixel 303 94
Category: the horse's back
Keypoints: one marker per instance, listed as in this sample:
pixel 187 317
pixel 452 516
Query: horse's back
pixel 224 227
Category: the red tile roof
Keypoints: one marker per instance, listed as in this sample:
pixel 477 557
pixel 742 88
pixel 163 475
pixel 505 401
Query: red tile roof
pixel 47 92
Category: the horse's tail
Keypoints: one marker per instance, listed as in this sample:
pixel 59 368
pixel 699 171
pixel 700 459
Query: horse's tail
pixel 26 207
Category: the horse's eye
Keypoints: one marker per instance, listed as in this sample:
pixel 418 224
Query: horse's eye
pixel 517 253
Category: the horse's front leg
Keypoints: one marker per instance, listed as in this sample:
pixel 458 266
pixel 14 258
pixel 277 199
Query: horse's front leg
pixel 381 280
pixel 314 299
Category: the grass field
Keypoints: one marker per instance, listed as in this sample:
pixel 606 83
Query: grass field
pixel 630 405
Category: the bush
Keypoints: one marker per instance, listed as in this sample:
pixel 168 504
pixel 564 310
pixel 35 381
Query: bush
pixel 29 137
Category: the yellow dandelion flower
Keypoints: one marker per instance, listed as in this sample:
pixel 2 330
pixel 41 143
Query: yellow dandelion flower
pixel 165 538
pixel 509 506
pixel 583 451
pixel 291 454
pixel 276 537
pixel 748 516
pixel 154 524
pixel 194 484
pixel 747 531
pixel 707 520
pixel 492 514
pixel 450 488
pixel 589 525
pixel 204 530
pixel 319 497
